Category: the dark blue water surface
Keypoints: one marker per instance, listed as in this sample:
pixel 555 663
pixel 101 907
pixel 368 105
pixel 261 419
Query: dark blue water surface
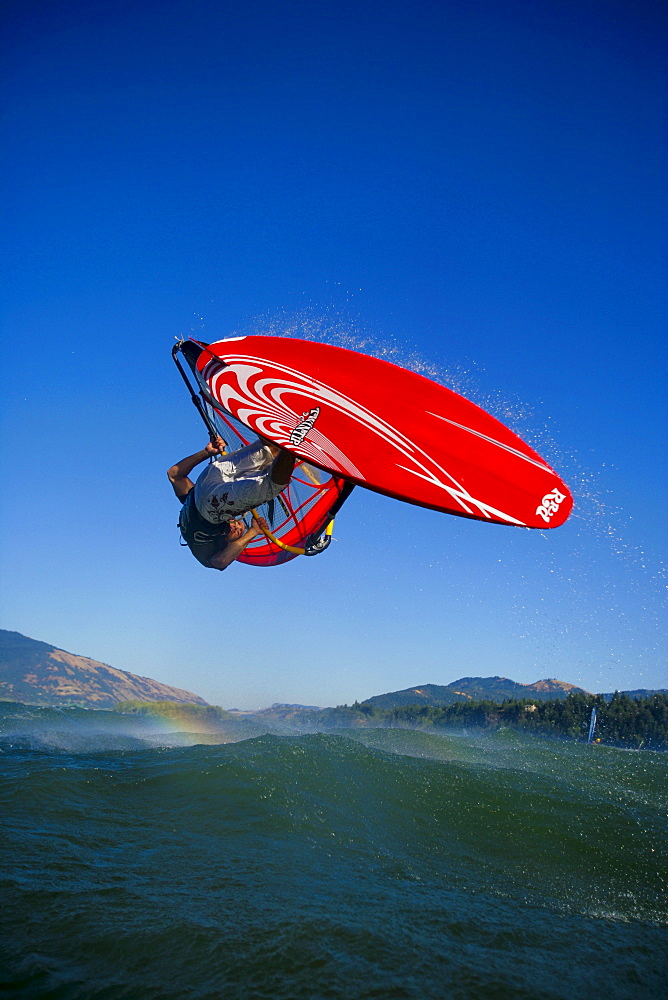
pixel 361 864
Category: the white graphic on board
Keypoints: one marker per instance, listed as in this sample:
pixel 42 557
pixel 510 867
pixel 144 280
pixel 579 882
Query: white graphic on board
pixel 306 424
pixel 499 444
pixel 550 505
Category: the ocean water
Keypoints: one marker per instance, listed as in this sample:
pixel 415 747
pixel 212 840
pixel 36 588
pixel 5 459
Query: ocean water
pixel 149 864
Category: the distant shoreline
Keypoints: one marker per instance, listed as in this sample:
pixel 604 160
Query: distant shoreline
pixel 622 721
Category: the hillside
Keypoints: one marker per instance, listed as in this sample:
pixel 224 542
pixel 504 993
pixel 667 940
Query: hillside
pixel 36 673
pixel 637 693
pixel 472 688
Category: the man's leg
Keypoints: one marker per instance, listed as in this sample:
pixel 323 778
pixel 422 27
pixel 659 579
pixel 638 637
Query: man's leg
pixel 283 467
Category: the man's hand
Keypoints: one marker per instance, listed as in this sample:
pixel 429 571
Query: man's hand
pixel 258 526
pixel 216 447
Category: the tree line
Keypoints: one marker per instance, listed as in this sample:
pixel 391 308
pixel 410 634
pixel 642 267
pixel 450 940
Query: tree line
pixel 621 721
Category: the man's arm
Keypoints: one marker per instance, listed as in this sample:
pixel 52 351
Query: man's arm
pixel 178 474
pixel 234 549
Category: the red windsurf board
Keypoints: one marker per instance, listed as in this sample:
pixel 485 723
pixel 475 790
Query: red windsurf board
pixel 385 428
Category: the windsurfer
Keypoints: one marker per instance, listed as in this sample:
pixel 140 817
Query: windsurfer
pixel 230 486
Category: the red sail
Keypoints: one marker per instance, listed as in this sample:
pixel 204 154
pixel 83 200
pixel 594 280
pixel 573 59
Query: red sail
pixel 299 515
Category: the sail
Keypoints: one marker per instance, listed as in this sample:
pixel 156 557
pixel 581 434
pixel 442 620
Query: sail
pixel 297 517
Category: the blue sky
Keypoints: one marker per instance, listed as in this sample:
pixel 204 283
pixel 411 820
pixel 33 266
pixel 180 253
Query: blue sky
pixel 476 188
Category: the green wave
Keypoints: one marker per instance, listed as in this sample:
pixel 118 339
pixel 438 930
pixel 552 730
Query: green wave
pixel 420 865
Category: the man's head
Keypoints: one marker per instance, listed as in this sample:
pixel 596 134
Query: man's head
pixel 225 551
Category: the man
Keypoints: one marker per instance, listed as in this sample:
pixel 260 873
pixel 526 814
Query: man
pixel 229 486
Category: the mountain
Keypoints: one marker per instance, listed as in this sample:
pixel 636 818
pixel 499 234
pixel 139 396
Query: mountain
pixel 38 674
pixel 472 689
pixel 637 693
pixel 297 715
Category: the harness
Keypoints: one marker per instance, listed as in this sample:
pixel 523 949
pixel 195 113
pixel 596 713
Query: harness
pixel 195 529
